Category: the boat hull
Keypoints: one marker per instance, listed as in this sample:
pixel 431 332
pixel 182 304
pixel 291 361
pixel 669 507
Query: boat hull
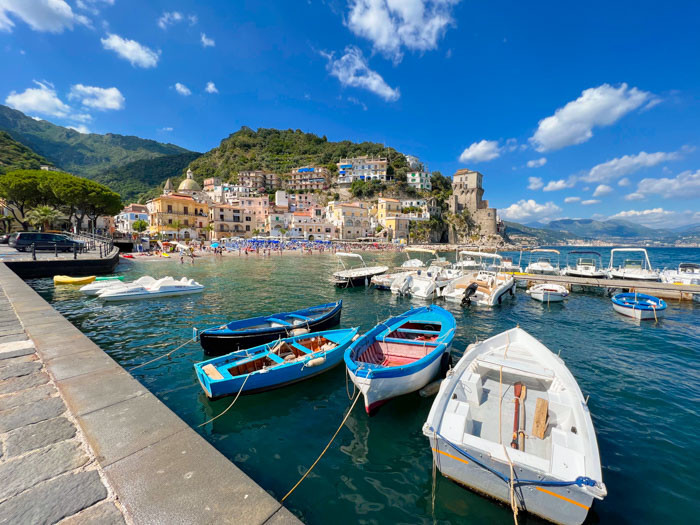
pixel 636 313
pixel 219 344
pixel 566 505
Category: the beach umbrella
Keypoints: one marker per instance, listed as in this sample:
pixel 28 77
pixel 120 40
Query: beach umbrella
pixel 215 245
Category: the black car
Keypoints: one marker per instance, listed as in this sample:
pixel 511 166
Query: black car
pixel 23 241
pixel 4 238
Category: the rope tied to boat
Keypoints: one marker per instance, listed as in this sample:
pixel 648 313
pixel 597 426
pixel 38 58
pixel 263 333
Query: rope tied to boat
pixel 342 424
pixel 167 354
pixel 231 405
pixel 513 503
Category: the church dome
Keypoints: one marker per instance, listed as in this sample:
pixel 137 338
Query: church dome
pixel 189 184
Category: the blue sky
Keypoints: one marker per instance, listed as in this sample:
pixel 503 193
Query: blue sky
pixel 569 110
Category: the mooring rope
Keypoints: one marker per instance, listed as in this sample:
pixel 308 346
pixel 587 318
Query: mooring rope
pixel 232 403
pixel 167 354
pixel 513 504
pixel 324 450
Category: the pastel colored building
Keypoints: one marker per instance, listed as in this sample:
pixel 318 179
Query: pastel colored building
pixel 124 221
pixel 362 168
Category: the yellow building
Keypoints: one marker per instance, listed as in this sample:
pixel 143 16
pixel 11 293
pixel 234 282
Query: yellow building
pixel 166 211
pixel 386 208
pixel 350 219
pixel 397 227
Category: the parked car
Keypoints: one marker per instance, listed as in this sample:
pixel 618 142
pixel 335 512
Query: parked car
pixel 4 239
pixel 23 241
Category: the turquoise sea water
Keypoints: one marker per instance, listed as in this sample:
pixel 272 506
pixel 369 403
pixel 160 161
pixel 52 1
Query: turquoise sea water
pixel 643 381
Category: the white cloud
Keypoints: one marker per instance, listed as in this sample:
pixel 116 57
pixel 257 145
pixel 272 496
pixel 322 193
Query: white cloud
pixel 534 183
pixel 51 16
pixel 561 184
pixel 590 202
pixel 528 210
pixel 626 165
pixel 391 25
pixel 574 123
pixel 685 185
pixel 167 128
pixel 92 5
pixel 137 54
pixel 358 102
pixel 211 88
pixel 352 70
pixel 537 163
pixel 44 100
pixel 207 42
pixel 182 89
pixel 601 190
pixel 634 196
pixel 169 18
pixel 80 129
pixel 569 200
pixel 192 19
pixel 482 151
pixel 623 182
pixel 97 97
pixel 655 218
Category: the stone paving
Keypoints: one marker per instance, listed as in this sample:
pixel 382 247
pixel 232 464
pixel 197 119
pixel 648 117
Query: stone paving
pixel 48 473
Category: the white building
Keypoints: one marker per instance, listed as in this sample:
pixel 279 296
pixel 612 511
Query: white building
pixel 414 162
pixel 420 180
pixel 362 168
pixel 124 222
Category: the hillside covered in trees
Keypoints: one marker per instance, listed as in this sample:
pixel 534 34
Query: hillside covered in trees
pixel 17 156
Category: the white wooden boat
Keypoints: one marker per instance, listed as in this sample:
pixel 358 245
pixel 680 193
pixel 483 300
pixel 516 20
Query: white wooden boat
pixel 357 276
pixel 165 287
pixel 588 263
pixel 638 269
pixel 540 446
pixel 484 288
pixel 401 355
pixel 639 306
pixel 548 292
pixel 95 288
pixel 546 263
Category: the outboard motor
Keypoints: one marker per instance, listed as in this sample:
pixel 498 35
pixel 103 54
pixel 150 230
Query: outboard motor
pixel 406 286
pixel 469 293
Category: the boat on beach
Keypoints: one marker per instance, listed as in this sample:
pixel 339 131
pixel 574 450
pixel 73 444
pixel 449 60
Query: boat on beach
pixel 548 292
pixel 633 269
pixel 639 306
pixel 547 462
pixel 247 333
pixel 275 364
pixel 588 263
pixel 400 355
pixel 357 276
pixel 165 287
pixel 486 287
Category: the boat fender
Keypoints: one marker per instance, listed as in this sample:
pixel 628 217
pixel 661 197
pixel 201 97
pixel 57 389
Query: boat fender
pixel 356 337
pixel 315 362
pixel 290 357
pixel 299 331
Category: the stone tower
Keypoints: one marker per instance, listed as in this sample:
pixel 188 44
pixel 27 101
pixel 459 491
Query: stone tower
pixel 467 194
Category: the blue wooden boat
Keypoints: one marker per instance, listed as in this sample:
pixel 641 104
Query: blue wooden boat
pixel 274 365
pixel 639 306
pixel 255 331
pixel 401 355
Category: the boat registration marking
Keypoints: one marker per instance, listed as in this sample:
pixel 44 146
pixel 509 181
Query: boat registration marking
pixel 562 497
pixel 451 456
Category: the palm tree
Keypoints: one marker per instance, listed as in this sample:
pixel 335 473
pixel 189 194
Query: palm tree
pixel 177 225
pixel 43 216
pixel 208 229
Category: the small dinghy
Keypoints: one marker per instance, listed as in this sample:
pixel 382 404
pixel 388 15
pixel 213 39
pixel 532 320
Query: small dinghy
pixel 255 331
pixel 165 287
pixel 66 279
pixel 548 292
pixel 547 462
pixel 275 364
pixel 99 286
pixel 401 355
pixel 639 306
pixel 357 276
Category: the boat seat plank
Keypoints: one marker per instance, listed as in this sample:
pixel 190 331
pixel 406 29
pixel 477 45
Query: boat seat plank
pixel 300 347
pixel 277 320
pixel 409 341
pixel 212 372
pixel 539 422
pixel 297 316
pixel 416 331
pixel 496 362
pixel 275 358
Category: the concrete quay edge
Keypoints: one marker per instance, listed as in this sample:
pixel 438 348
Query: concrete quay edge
pixel 161 470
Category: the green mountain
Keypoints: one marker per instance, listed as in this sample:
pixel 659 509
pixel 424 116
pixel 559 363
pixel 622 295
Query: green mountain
pixel 17 156
pixel 520 232
pixel 281 150
pixel 135 180
pixel 80 153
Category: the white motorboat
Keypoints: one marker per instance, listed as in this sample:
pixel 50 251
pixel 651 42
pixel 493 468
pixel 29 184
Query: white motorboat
pixel 547 264
pixel 468 261
pixel 96 287
pixel 165 287
pixel 687 273
pixel 428 283
pixel 484 288
pixel 588 263
pixel 385 280
pixel 359 275
pixel 417 262
pixel 548 292
pixel 638 269
pixel 547 461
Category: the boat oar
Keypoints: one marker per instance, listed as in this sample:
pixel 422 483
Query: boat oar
pixel 517 389
pixel 521 432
